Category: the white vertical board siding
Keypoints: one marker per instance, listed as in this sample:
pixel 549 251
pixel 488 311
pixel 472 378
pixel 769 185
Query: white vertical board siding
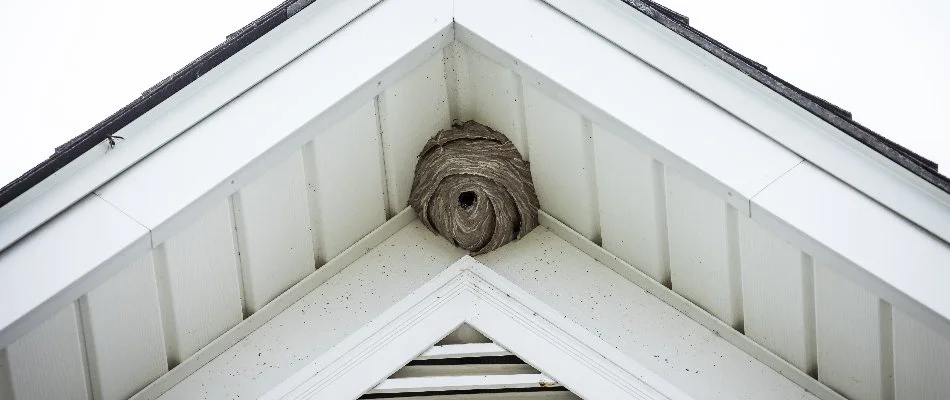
pixel 921 360
pixel 273 229
pixel 48 362
pixel 777 295
pixel 199 285
pixel 632 205
pixel 6 386
pixel 410 112
pixel 123 331
pixel 562 166
pixel 703 246
pixel 345 183
pixel 490 94
pixel 848 325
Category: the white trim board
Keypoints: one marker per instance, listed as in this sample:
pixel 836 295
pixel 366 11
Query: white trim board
pixel 289 341
pixel 83 247
pixel 469 292
pixel 864 242
pixel 165 191
pixel 298 41
pixel 276 118
pixel 276 306
pixel 463 350
pixel 431 384
pixel 177 114
pixel 527 39
pixel 769 112
pixel 688 308
pixel 625 96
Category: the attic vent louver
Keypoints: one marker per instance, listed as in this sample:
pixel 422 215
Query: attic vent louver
pixel 467 366
pixel 472 187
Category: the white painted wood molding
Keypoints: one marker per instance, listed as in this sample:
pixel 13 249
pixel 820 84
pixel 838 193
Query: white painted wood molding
pixel 63 260
pixel 463 350
pixel 862 240
pixel 762 108
pixel 134 217
pixel 124 218
pixel 531 38
pixel 473 382
pixel 469 292
pixel 246 327
pixel 177 114
pixel 689 309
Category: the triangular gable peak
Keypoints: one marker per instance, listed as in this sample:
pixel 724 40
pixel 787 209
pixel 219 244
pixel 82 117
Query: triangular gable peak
pixel 470 293
pixel 664 157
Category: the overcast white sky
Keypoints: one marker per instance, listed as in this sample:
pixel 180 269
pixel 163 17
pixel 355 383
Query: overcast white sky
pixel 67 64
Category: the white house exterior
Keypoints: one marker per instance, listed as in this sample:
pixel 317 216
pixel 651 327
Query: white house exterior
pixel 707 230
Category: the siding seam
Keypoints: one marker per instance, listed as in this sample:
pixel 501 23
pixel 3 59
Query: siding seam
pixel 522 117
pixel 782 175
pixel 151 239
pixel 169 326
pixel 378 109
pixel 587 129
pixel 317 236
pixel 735 267
pixel 238 258
pixel 662 221
pixel 810 315
pixel 450 68
pixel 84 349
pixel 887 349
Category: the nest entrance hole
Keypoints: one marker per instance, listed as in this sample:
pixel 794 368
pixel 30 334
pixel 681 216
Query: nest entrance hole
pixel 467 199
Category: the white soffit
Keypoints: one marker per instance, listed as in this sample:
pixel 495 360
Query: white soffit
pixel 703 358
pixel 304 94
pixel 59 262
pixel 271 121
pixel 870 245
pixel 175 184
pixel 181 111
pixel 625 96
pixel 740 164
pixel 767 111
pixel 469 292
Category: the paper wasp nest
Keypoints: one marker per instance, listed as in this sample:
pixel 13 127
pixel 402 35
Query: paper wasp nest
pixel 473 188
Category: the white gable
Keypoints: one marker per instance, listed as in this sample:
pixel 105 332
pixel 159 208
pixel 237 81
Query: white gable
pixel 264 175
pixel 470 293
pixel 543 264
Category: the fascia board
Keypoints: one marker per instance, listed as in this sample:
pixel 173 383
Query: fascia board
pixel 625 96
pixel 862 240
pixel 269 122
pixel 869 255
pixel 469 292
pixel 62 260
pixel 425 27
pixel 271 310
pixel 136 211
pixel 177 114
pixel 775 116
pixel 689 309
pixel 462 382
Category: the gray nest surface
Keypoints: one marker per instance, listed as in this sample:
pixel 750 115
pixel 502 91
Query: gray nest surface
pixel 473 188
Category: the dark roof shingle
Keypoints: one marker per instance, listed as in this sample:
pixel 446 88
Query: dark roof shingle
pixel 672 20
pixel 834 115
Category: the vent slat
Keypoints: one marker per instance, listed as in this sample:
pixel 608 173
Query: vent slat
pixel 472 382
pixel 464 350
pixel 467 365
pixel 414 371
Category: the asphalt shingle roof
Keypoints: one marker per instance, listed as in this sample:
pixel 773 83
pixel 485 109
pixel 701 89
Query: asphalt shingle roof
pixel 678 23
pixel 834 115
